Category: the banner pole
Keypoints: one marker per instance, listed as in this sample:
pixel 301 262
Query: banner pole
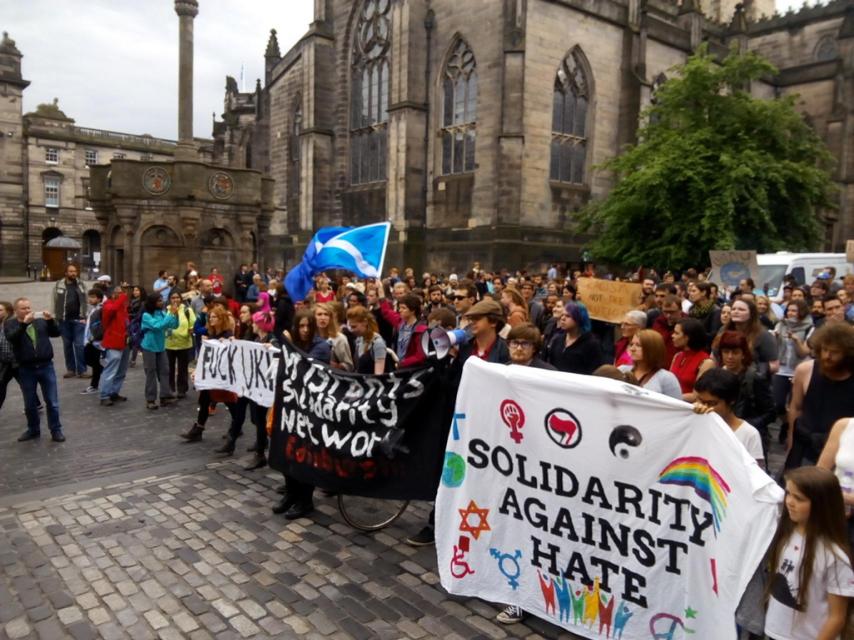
pixel 385 248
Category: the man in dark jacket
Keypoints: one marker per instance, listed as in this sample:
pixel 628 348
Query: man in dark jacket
pixel 70 310
pixel 30 339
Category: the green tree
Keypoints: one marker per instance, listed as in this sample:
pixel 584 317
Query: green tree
pixel 714 168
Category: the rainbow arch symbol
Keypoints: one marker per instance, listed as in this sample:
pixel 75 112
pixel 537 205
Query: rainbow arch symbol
pixel 697 473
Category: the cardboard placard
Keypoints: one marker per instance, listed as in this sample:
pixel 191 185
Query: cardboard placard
pixel 731 267
pixel 849 251
pixel 608 300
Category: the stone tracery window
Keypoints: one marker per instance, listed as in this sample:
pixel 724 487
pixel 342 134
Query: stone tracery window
pixel 294 148
pixel 570 106
pixel 459 119
pixel 369 93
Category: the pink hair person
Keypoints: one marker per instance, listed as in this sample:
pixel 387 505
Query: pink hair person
pixel 263 302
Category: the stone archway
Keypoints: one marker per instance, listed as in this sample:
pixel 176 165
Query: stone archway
pixel 53 258
pixel 219 248
pixel 90 250
pixel 161 248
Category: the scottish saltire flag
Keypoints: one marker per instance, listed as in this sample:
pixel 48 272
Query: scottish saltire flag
pixel 357 249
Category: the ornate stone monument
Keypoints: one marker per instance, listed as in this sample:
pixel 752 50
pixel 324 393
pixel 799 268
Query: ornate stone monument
pixel 159 215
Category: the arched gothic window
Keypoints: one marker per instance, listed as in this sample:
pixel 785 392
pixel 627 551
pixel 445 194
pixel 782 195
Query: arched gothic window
pixel 294 148
pixel 369 93
pixel 459 119
pixel 569 120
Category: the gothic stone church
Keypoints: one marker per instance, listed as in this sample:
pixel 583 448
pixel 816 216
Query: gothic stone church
pixel 475 126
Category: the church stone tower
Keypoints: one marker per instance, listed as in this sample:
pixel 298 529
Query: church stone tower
pixel 12 167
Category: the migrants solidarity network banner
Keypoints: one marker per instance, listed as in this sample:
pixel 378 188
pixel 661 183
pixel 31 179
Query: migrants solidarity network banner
pixel 609 510
pixel 246 368
pixel 379 436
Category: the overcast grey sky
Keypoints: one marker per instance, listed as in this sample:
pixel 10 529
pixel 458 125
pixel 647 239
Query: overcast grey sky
pixel 113 63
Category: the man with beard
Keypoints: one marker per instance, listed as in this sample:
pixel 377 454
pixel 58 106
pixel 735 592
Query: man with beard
pixel 822 393
pixel 70 308
pixel 436 301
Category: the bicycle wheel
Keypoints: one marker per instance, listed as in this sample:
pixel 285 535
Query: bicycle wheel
pixel 370 514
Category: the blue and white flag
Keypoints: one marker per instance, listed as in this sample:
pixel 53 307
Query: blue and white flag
pixel 360 250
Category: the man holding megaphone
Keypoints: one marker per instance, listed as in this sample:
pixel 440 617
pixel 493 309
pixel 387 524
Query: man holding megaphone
pixel 479 340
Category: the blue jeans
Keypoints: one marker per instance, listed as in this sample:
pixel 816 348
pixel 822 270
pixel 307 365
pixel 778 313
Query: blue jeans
pixel 30 378
pixel 72 344
pixel 115 369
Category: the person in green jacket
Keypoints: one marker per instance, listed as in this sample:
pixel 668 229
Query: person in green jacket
pixel 155 323
pixel 179 346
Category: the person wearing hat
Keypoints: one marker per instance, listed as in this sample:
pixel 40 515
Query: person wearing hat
pixel 105 279
pixel 486 318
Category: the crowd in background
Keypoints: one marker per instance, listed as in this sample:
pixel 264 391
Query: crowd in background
pixel 769 367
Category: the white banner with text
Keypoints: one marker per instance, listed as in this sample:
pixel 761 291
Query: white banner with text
pixel 609 510
pixel 246 368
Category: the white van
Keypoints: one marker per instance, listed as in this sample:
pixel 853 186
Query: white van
pixel 803 267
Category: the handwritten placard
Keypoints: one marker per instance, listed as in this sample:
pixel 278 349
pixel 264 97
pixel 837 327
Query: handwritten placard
pixel 608 300
pixel 729 268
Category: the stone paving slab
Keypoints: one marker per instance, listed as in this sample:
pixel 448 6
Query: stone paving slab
pixel 101 441
pixel 200 555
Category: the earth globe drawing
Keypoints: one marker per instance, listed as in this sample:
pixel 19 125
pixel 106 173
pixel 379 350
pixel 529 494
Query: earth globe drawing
pixel 734 272
pixel 454 471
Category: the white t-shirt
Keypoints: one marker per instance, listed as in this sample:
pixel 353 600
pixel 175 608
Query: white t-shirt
pixel 831 574
pixel 752 441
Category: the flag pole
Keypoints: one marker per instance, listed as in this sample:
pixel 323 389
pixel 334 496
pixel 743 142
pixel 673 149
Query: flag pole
pixel 385 247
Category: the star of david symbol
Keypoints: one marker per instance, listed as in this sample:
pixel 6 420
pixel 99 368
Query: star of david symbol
pixel 481 514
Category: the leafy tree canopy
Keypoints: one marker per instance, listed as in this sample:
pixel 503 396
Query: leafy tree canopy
pixel 714 168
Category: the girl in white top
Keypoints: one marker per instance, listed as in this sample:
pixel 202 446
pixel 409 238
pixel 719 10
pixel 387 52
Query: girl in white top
pixel 717 390
pixel 809 562
pixel 649 364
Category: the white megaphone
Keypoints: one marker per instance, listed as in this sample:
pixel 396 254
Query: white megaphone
pixel 439 342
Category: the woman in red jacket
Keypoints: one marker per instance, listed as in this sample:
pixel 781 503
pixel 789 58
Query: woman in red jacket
pixel 114 320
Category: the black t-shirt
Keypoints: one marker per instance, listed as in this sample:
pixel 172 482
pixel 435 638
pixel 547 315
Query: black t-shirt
pixel 72 301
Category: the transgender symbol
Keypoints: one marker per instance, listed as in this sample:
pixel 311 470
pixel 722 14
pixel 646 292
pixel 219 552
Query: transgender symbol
pixel 514 418
pixel 459 566
pixel 505 560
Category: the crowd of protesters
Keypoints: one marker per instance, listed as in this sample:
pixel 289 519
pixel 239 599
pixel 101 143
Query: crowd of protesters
pixel 769 367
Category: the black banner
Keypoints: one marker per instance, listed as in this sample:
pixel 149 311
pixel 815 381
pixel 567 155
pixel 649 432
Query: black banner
pixel 379 436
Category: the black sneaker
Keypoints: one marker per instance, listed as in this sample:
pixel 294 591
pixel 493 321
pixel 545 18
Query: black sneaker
pixel 510 615
pixel 423 538
pixel 117 398
pixel 57 436
pixel 106 402
pixel 29 435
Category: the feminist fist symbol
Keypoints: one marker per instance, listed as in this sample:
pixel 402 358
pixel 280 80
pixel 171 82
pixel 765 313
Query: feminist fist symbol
pixel 514 418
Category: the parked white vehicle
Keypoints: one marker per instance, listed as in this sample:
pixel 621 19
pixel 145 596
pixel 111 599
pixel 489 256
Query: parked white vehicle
pixel 803 267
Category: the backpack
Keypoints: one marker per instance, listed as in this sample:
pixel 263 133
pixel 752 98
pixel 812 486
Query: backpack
pixel 96 327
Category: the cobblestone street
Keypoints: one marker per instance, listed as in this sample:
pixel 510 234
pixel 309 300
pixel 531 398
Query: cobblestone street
pixel 123 532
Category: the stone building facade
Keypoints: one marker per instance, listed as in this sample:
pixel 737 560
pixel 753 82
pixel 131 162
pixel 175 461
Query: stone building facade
pixel 476 127
pixel 45 161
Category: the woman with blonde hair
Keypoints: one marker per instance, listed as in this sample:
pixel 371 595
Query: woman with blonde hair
pixel 515 307
pixel 649 364
pixel 370 354
pixel 326 318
